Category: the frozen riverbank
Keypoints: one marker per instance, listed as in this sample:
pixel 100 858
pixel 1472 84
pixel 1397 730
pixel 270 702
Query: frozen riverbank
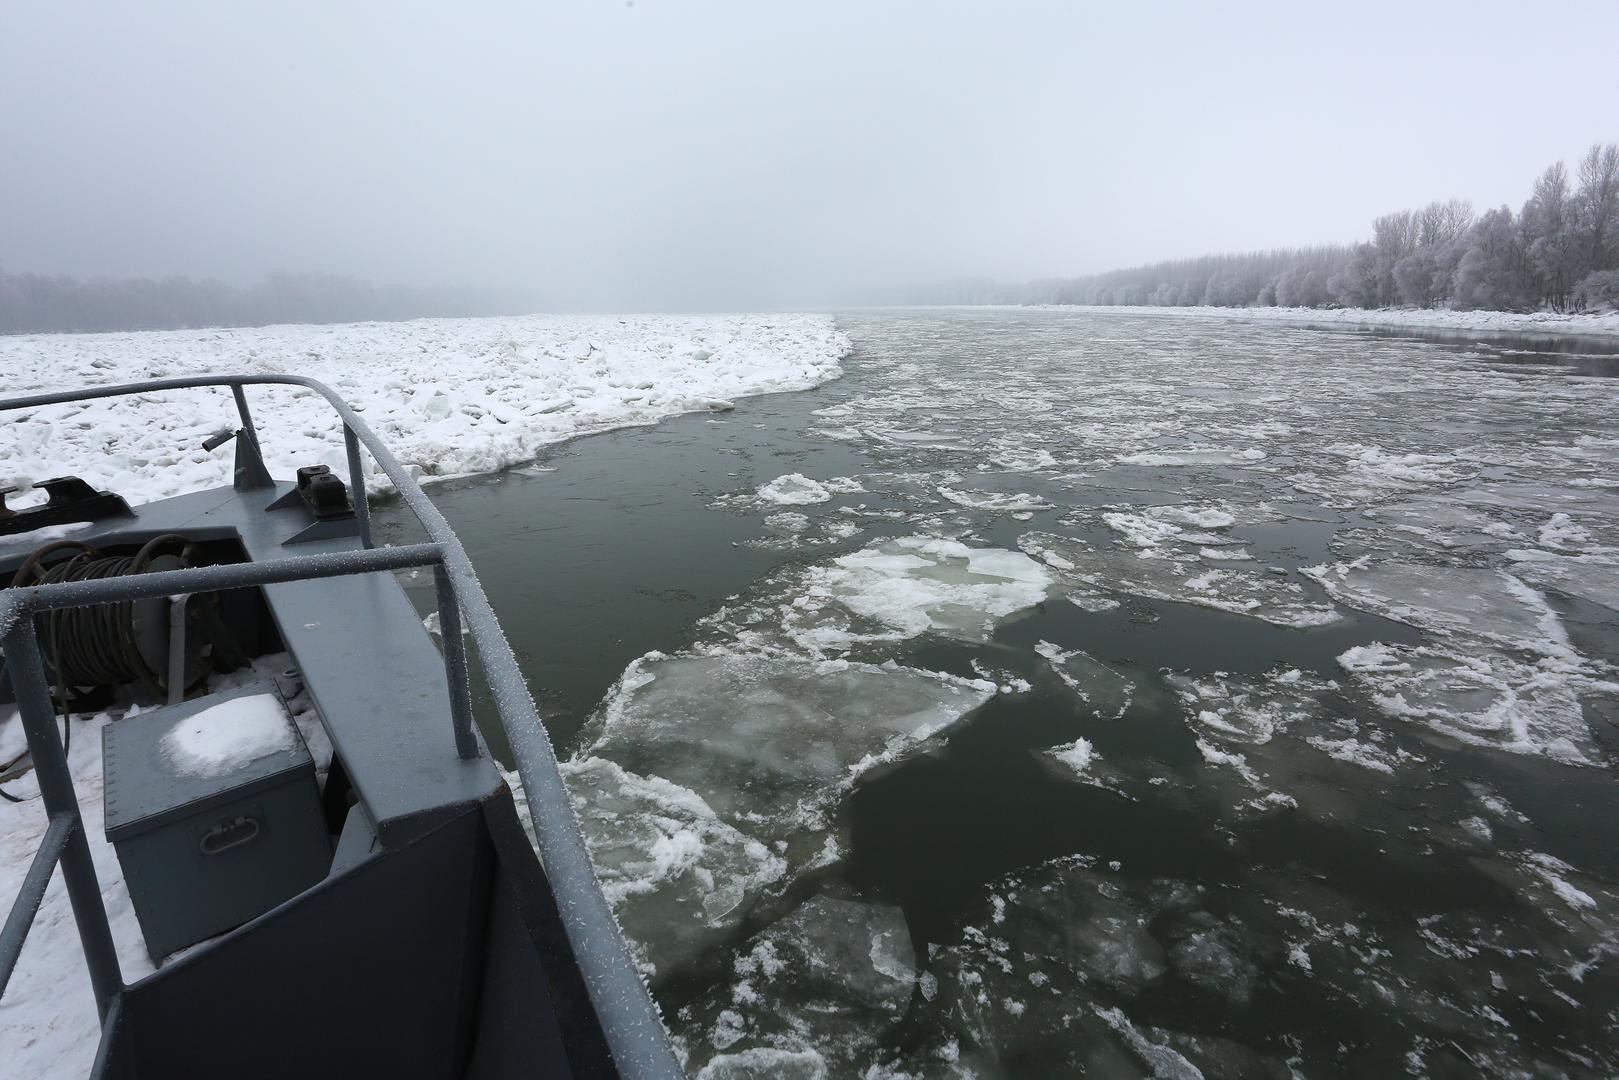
pixel 449 396
pixel 1605 324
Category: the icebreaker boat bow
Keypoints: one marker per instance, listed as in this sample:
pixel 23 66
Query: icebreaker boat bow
pixel 390 919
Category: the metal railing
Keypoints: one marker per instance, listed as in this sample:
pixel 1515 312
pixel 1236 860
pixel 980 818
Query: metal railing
pixel 629 1020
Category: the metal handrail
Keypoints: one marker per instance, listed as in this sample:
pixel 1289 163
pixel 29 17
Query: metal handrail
pixel 630 1023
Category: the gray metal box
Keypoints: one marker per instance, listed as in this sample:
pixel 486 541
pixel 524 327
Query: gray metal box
pixel 204 852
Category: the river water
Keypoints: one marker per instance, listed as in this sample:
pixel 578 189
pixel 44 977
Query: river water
pixel 1073 693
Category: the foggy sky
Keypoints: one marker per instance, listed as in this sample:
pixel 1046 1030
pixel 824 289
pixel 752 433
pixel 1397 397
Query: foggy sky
pixel 683 155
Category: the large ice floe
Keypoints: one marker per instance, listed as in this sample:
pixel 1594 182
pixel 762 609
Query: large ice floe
pixel 890 591
pixel 448 396
pixel 1091 575
pixel 1484 697
pixel 710 781
pixel 1506 676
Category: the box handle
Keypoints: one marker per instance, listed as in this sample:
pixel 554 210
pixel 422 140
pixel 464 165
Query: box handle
pixel 229 834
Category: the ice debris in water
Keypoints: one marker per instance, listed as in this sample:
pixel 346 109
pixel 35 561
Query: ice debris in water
pixel 794 489
pixel 1062 949
pixel 677 876
pixel 1207 455
pixel 1099 686
pixel 1077 755
pixel 1244 710
pixel 1089 574
pixel 1469 601
pixel 901 588
pixel 815 990
pixel 1484 697
pixel 1593 577
pixel 767 742
pixel 708 781
pixel 1077 969
pixel 998 501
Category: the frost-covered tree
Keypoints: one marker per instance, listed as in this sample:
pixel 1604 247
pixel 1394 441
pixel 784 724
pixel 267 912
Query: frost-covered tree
pixel 1550 247
pixel 1357 283
pixel 1394 236
pixel 1301 285
pixel 1418 280
pixel 1441 223
pixel 1439 255
pixel 1599 288
pixel 1491 273
pixel 1597 209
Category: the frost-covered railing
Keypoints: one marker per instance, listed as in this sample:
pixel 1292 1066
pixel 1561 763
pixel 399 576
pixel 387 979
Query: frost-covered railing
pixel 630 1023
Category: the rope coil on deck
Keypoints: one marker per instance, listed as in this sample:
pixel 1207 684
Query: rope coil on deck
pixel 95 645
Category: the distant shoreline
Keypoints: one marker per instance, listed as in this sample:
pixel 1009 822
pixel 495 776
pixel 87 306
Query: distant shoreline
pixel 1605 324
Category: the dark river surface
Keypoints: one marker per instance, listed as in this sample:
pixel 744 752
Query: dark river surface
pixel 1073 693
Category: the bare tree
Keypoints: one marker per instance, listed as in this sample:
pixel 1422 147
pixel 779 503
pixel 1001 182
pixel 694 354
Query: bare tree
pixel 1599 206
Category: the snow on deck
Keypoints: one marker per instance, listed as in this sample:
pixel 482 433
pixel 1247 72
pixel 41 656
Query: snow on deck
pixel 448 396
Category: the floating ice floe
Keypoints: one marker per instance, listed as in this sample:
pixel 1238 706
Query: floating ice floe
pixel 1091 574
pixel 1246 710
pixel 997 501
pixel 794 489
pixel 1105 690
pixel 1469 601
pixel 902 588
pixel 769 743
pixel 811 995
pixel 1483 697
pixel 1079 762
pixel 710 781
pixel 1024 459
pixel 1210 455
pixel 677 876
pixel 1593 577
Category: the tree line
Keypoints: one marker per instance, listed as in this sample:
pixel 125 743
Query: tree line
pixel 50 303
pixel 1560 251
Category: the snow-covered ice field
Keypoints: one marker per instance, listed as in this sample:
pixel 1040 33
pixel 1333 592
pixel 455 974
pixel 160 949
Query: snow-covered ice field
pixel 448 396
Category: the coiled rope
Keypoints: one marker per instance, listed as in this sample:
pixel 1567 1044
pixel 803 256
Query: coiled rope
pixel 96 645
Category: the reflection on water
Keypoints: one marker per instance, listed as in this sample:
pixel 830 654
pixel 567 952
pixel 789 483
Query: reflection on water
pixel 1107 695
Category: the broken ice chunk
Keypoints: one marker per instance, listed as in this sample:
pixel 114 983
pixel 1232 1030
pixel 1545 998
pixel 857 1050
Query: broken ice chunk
pixel 794 489
pixel 1090 573
pixel 769 743
pixel 1450 599
pixel 676 875
pixel 1099 686
pixel 828 980
pixel 913 585
pixel 1483 697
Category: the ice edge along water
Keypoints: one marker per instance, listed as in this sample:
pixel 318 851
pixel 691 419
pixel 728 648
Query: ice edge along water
pixel 450 396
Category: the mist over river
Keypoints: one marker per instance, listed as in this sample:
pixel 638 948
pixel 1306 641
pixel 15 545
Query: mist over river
pixel 1066 692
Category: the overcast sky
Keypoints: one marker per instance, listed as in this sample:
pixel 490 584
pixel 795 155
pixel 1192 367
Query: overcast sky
pixel 680 154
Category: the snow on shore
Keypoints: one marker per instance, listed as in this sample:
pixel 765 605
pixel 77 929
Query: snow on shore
pixel 448 396
pixel 1604 324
